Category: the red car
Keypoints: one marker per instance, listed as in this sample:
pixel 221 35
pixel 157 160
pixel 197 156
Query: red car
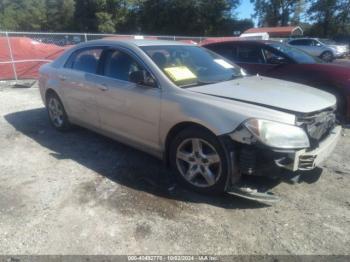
pixel 278 60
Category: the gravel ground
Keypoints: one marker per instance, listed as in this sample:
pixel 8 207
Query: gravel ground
pixel 81 193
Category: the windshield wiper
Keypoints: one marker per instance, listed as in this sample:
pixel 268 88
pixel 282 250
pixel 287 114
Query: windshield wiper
pixel 202 83
pixel 198 83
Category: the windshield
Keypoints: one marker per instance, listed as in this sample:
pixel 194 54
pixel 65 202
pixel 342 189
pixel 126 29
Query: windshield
pixel 192 65
pixel 296 54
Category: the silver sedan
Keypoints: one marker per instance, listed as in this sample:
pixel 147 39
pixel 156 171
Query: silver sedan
pixel 198 112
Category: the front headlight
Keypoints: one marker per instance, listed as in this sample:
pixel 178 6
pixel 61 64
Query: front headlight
pixel 278 135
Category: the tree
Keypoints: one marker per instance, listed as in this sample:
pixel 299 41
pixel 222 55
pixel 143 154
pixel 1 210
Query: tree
pixel 59 14
pixel 8 15
pixel 160 17
pixel 22 15
pixel 84 16
pixel 191 17
pixel 324 13
pixel 276 12
pixel 344 14
pixel 330 17
pixel 105 22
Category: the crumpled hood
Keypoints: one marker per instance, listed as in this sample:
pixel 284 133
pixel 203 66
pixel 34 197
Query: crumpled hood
pixel 288 96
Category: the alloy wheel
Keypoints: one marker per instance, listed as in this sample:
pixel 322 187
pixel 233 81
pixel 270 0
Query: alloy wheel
pixel 56 112
pixel 327 56
pixel 198 162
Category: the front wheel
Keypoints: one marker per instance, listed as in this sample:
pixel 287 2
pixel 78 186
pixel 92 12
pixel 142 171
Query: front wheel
pixel 327 56
pixel 199 161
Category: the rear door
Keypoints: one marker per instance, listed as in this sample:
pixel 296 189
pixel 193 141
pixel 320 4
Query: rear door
pixel 246 55
pixel 251 58
pixel 79 94
pixel 307 45
pixel 255 58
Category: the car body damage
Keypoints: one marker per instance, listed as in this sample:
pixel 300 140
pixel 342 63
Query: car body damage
pixel 213 124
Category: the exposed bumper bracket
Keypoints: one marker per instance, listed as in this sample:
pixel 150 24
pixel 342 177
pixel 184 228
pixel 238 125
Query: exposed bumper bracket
pixel 253 194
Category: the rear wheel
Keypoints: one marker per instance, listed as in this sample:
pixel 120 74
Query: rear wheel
pixel 57 114
pixel 327 56
pixel 199 161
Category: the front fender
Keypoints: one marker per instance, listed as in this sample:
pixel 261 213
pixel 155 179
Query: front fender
pixel 219 115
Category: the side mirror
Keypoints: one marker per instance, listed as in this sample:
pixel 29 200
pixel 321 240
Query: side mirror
pixel 141 77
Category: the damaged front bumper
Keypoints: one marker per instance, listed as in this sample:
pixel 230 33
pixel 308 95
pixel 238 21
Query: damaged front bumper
pixel 308 160
pixel 257 159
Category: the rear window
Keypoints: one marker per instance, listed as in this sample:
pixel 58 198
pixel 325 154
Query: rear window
pixel 300 42
pixel 249 54
pixel 85 60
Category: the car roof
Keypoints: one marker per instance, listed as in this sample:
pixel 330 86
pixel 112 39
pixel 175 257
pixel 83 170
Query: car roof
pixel 263 42
pixel 304 38
pixel 138 42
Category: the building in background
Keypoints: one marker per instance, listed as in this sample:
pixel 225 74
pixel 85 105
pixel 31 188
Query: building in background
pixel 275 32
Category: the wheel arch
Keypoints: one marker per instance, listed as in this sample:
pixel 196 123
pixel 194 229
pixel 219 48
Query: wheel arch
pixel 327 51
pixel 174 131
pixel 50 91
pixel 341 96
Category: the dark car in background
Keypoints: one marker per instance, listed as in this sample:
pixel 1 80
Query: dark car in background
pixel 278 60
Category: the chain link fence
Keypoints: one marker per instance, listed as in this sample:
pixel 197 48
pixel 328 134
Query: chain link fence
pixel 22 53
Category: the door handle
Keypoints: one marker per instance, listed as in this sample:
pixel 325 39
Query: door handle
pixel 103 87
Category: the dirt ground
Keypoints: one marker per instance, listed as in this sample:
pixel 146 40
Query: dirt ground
pixel 81 193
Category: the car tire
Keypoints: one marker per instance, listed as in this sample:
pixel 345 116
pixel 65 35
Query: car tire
pixel 327 56
pixel 199 161
pixel 57 114
pixel 341 107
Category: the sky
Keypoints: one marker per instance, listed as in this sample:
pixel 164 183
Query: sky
pixel 245 10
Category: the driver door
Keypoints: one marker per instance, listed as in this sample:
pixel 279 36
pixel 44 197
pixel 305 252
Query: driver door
pixel 127 110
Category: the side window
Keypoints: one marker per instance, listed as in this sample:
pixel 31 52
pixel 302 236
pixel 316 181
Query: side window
pixel 294 42
pixel 85 60
pixel 249 54
pixel 119 65
pixel 272 56
pixel 227 51
pixel 308 42
pixel 299 42
pixel 315 43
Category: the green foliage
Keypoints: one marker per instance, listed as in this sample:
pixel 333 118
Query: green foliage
pixel 331 17
pixel 173 17
pixel 22 15
pixel 191 17
pixel 59 14
pixel 276 12
pixel 105 22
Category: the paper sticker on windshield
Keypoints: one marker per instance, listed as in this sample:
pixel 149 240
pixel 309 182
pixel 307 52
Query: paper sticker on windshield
pixel 223 63
pixel 180 73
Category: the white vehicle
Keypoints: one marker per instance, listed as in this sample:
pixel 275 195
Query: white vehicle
pixel 315 48
pixel 340 50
